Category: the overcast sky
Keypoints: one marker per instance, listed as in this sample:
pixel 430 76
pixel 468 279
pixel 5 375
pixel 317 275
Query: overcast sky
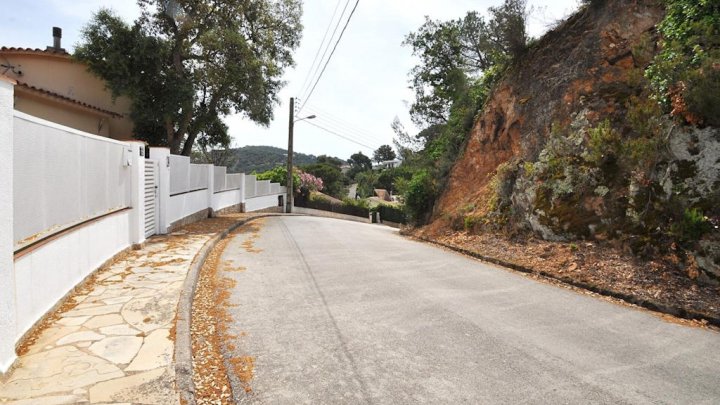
pixel 364 87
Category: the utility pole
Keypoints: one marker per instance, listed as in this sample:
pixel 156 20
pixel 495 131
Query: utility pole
pixel 289 180
pixel 291 129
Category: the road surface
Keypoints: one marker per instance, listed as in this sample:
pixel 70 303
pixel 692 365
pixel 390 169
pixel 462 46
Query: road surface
pixel 338 312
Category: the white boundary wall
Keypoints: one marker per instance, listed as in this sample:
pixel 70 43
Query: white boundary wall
pixel 261 203
pixel 8 312
pixel 45 275
pixel 80 202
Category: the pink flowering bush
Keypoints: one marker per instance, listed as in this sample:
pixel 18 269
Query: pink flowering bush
pixel 310 182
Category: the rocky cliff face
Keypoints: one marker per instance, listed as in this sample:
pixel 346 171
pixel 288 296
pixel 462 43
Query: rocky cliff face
pixel 567 147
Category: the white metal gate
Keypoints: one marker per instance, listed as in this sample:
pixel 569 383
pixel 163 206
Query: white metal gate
pixel 151 192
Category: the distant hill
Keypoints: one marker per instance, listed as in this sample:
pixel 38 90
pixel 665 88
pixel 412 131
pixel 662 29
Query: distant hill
pixel 262 158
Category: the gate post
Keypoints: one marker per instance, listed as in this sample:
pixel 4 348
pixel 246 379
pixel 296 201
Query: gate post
pixel 8 308
pixel 162 155
pixel 137 192
pixel 211 189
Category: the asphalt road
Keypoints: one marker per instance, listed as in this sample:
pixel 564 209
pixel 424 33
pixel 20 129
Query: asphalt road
pixel 337 312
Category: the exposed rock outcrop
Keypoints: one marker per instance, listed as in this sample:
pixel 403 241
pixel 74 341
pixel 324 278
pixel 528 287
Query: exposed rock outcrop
pixel 557 151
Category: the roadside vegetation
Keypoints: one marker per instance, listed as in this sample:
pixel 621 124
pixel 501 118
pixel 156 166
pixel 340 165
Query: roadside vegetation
pixel 460 62
pixel 636 166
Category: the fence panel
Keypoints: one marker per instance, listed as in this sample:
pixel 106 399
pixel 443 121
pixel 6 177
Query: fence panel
pixel 263 187
pixel 62 177
pixel 186 177
pixel 220 177
pixel 198 177
pixel 234 181
pixel 250 186
pixel 179 174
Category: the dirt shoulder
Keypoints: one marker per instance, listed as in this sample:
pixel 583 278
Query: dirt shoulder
pixel 662 284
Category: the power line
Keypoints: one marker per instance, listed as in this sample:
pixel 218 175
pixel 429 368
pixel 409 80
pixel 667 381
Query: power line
pixel 341 136
pixel 345 124
pixel 347 131
pixel 331 54
pixel 312 66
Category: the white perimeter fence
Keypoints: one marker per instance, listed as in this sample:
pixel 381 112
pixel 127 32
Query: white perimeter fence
pixel 70 201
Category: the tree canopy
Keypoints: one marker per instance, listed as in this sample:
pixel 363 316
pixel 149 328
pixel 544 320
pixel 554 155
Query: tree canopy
pixel 383 153
pixel 332 177
pixel 187 63
pixel 453 53
pixel 358 163
pixel 331 160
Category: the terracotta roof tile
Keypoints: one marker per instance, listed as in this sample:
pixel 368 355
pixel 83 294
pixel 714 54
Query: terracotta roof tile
pixel 34 50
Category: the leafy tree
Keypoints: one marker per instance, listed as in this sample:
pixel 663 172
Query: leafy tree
pixel 366 183
pixel 420 196
pixel 186 64
pixel 358 163
pixel 332 177
pixel 337 162
pixel 508 27
pixel 383 153
pixel 388 179
pixel 406 144
pixel 453 53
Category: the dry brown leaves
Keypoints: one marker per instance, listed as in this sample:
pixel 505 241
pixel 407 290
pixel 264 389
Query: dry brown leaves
pixel 244 368
pixel 209 373
pixel 209 328
pixel 254 230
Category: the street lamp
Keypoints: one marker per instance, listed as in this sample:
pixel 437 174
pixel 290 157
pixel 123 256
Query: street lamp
pixel 289 180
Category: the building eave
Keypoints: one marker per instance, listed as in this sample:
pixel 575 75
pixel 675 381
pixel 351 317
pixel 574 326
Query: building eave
pixel 37 91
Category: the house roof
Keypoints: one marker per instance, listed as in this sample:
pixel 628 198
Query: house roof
pixel 49 51
pixel 53 95
pixel 382 194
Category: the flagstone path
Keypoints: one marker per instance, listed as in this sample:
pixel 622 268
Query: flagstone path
pixel 112 340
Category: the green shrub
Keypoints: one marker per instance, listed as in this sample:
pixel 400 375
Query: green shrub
pixel 391 213
pixel 703 92
pixel 279 175
pixel 361 203
pixel 470 221
pixel 685 70
pixel 692 226
pixel 322 203
pixel 603 144
pixel 420 197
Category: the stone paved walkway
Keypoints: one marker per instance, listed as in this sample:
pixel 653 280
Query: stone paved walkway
pixel 112 341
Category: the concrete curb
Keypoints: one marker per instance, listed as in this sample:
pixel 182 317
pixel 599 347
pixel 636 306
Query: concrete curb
pixel 183 338
pixel 641 302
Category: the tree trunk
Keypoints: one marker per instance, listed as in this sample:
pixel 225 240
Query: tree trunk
pixel 187 147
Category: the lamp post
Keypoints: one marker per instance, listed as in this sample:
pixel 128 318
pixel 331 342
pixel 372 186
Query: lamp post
pixel 289 180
